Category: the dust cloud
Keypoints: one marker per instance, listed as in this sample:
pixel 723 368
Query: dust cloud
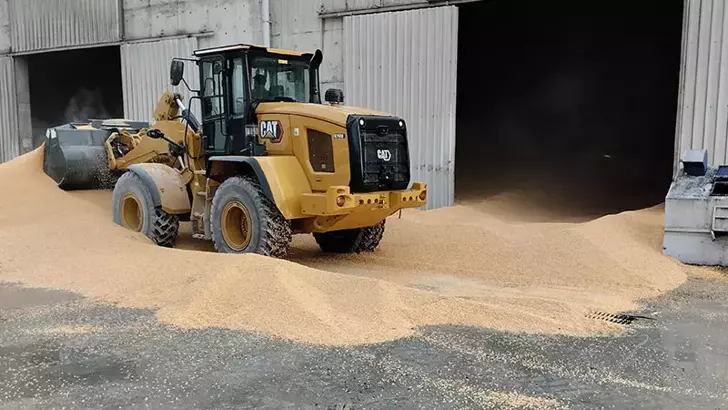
pixel 86 104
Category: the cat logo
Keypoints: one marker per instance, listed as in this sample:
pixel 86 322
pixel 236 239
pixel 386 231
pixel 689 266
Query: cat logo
pixel 384 154
pixel 271 130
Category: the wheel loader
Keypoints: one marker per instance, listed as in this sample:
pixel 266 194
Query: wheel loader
pixel 267 159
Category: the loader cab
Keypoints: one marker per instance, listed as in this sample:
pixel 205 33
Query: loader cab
pixel 235 79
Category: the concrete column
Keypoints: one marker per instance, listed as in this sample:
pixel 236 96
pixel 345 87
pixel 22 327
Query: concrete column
pixel 22 90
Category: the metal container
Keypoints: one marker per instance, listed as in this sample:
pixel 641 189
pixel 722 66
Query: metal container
pixel 696 215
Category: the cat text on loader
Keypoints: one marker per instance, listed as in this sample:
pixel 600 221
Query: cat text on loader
pixel 267 160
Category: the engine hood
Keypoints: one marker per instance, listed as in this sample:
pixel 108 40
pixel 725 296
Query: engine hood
pixel 324 112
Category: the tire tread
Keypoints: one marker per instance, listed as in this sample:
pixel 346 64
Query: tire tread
pixel 277 232
pixel 351 240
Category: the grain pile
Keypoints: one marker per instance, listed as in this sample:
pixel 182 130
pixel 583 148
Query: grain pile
pixel 458 265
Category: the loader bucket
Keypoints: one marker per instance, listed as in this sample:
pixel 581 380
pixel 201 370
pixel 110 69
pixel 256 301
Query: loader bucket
pixel 75 157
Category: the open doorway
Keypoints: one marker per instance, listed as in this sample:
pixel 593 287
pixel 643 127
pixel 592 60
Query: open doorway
pixel 568 104
pixel 75 85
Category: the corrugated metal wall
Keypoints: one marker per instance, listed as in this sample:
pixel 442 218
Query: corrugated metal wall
pixel 406 63
pixel 702 119
pixel 9 138
pixel 44 24
pixel 4 27
pixel 145 74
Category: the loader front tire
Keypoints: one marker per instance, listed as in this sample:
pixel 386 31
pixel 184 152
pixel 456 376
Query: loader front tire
pixel 244 220
pixel 134 209
pixel 351 240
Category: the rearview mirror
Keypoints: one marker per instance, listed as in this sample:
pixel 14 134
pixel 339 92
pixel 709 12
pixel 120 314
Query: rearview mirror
pixel 154 134
pixel 176 72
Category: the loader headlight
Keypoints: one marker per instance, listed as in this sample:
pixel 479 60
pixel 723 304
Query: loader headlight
pixel 423 195
pixel 340 200
pixel 361 122
pixel 401 124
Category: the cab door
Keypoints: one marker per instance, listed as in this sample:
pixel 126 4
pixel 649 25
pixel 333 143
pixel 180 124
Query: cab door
pixel 214 105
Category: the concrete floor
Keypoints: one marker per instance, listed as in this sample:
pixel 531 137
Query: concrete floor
pixel 59 350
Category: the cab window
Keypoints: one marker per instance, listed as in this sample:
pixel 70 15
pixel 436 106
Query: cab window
pixel 237 88
pixel 277 79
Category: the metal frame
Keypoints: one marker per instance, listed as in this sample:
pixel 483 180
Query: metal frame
pixel 387 9
pixel 108 44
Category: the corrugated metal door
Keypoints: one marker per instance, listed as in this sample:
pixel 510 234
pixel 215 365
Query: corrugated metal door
pixel 9 138
pixel 45 24
pixel 145 74
pixel 702 118
pixel 405 63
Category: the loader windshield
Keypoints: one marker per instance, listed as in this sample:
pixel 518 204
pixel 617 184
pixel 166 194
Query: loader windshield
pixel 278 79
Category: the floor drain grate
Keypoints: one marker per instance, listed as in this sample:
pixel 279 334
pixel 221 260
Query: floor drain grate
pixel 619 318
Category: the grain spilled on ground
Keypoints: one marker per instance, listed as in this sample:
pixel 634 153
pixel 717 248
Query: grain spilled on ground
pixel 63 330
pixel 513 400
pixel 458 265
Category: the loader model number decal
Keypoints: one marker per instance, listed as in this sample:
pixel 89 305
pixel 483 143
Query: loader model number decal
pixel 271 130
pixel 384 154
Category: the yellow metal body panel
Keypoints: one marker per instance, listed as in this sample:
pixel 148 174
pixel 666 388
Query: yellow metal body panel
pixel 321 181
pixel 171 187
pixel 287 182
pixel 325 203
pixel 285 145
pixel 166 108
pixel 144 150
pixel 335 114
pixel 284 52
pixel 359 210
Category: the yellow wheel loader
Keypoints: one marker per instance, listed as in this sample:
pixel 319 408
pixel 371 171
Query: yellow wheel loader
pixel 267 159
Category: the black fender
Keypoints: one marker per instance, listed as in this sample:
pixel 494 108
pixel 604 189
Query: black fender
pixel 235 164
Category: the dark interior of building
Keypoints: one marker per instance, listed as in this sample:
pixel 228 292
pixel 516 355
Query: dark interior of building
pixel 69 86
pixel 570 103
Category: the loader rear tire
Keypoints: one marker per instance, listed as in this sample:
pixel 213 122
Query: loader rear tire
pixel 244 220
pixel 351 240
pixel 134 209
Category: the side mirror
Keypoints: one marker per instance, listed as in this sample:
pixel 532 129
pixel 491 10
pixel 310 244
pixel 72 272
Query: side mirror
pixel 154 134
pixel 334 96
pixel 176 72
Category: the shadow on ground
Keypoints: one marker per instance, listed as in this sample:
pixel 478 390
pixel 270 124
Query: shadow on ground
pixel 59 350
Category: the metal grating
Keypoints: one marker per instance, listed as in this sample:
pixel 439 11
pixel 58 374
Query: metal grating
pixel 9 138
pixel 620 318
pixel 405 63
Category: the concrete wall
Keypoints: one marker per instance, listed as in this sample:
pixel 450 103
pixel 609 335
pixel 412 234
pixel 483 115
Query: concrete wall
pixel 4 27
pixel 296 25
pixel 333 6
pixel 232 21
pixel 8 111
